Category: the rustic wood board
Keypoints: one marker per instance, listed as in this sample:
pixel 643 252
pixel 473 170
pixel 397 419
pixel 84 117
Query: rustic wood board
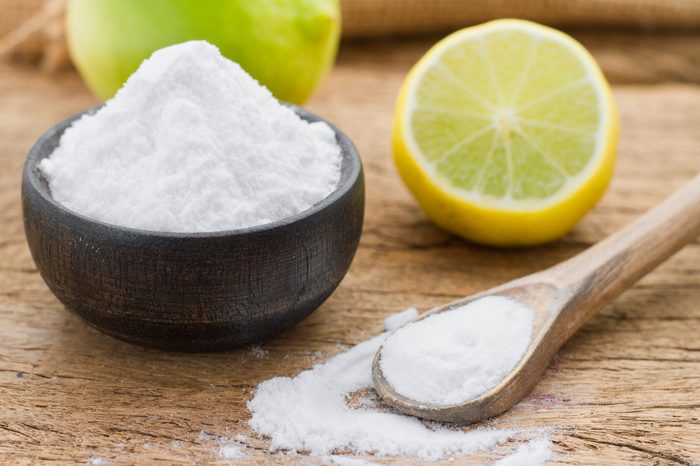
pixel 625 389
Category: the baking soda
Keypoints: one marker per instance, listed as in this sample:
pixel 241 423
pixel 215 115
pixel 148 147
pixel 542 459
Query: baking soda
pixel 455 356
pixel 192 143
pixel 338 460
pixel 330 408
pixel 397 319
pixel 229 452
pixel 533 453
pixel 97 461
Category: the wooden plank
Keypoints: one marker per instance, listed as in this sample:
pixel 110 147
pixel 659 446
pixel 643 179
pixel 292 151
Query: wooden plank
pixel 623 390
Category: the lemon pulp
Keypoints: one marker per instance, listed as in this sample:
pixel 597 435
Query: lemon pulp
pixel 502 127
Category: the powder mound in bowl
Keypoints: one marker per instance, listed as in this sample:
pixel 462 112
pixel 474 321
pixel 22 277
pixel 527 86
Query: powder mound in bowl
pixel 192 143
pixel 455 356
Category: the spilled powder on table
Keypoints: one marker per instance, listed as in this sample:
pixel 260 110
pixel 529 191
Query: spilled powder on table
pixel 228 448
pixel 258 351
pixel 533 453
pixel 310 413
pixel 97 461
pixel 232 448
pixel 229 452
pixel 339 460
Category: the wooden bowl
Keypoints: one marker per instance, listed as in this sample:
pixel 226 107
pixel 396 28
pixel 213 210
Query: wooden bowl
pixel 193 291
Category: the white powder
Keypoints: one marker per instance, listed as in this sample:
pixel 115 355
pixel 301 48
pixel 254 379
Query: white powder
pixel 192 143
pixel 533 453
pixel 397 319
pixel 457 355
pixel 97 461
pixel 258 351
pixel 227 448
pixel 230 452
pixel 310 412
pixel 346 461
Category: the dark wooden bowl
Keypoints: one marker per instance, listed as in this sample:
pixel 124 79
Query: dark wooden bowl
pixel 198 291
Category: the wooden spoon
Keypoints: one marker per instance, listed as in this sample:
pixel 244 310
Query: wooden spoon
pixel 563 298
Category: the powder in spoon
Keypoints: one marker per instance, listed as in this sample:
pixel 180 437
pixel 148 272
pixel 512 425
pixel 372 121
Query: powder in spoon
pixel 192 143
pixel 455 356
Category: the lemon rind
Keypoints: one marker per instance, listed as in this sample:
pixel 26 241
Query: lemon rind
pixel 573 183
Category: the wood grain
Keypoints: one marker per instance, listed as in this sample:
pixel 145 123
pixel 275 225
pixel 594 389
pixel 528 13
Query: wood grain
pixel 624 390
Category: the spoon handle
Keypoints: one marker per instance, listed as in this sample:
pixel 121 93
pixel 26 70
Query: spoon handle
pixel 595 277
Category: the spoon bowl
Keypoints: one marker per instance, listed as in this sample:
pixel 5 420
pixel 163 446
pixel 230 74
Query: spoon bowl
pixel 516 385
pixel 562 298
pixel 193 291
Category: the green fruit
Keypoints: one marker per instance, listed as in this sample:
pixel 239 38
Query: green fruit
pixel 287 45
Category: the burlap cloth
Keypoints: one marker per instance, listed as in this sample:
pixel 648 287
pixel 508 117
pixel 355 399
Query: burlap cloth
pixel 33 29
pixel 369 18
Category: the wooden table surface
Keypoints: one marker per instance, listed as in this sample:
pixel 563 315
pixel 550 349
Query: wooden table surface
pixel 625 389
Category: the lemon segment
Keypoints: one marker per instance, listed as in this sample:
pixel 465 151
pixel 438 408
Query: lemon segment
pixel 506 133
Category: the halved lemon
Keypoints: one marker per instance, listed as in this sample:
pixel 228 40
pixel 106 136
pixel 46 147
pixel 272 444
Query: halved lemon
pixel 506 133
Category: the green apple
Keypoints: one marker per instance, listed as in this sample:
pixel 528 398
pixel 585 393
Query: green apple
pixel 287 45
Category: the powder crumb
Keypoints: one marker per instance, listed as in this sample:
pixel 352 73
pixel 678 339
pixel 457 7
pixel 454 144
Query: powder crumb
pixel 228 448
pixel 230 452
pixel 346 461
pixel 533 453
pixel 457 355
pixel 192 143
pixel 258 351
pixel 310 412
pixel 397 319
pixel 97 461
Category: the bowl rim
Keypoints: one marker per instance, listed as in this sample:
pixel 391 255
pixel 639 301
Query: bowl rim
pixel 350 172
